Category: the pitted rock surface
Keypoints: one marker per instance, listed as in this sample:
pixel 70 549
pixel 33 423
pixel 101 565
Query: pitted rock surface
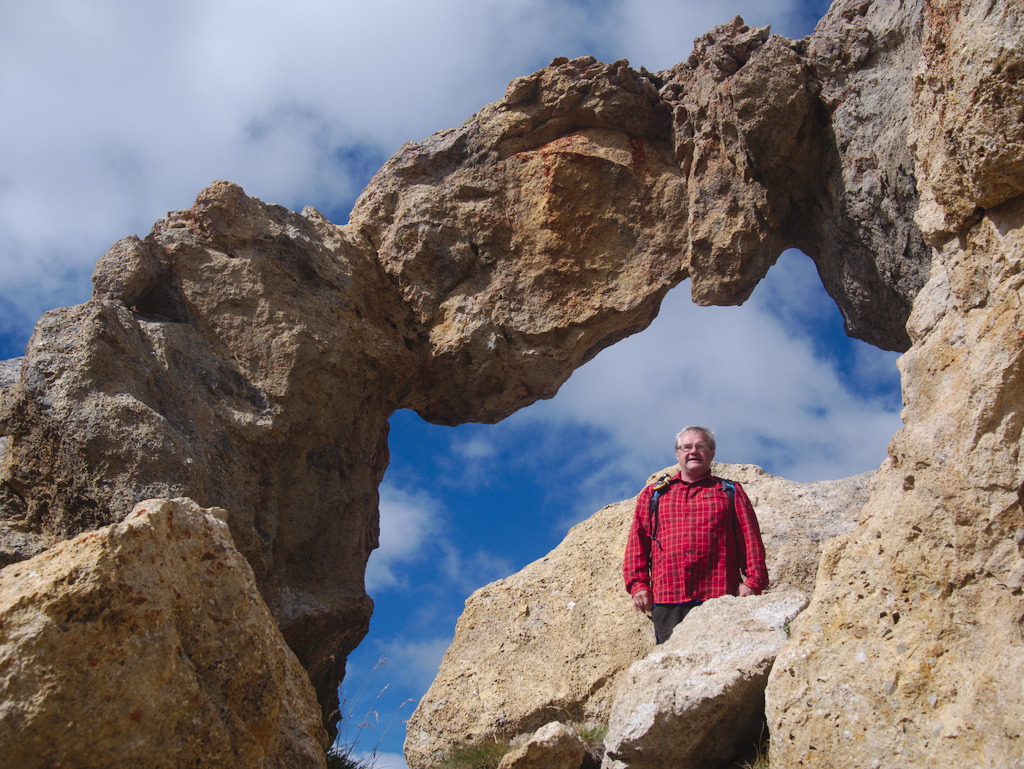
pixel 146 643
pixel 248 357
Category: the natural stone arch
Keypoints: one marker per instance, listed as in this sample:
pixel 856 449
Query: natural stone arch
pixel 248 357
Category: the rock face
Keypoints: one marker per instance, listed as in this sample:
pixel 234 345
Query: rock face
pixel 146 643
pixel 554 641
pixel 698 701
pixel 802 143
pixel 245 356
pixel 915 628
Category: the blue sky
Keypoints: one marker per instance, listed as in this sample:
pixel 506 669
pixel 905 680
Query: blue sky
pixel 118 111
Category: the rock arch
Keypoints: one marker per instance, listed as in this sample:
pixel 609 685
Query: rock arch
pixel 248 357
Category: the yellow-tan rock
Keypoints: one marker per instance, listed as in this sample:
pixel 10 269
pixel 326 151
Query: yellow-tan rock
pixel 697 700
pixel 553 746
pixel 146 643
pixel 911 652
pixel 553 641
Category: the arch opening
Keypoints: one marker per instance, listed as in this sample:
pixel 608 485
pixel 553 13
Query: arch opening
pixel 777 378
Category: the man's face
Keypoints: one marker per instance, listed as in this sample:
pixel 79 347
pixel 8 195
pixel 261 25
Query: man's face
pixel 694 455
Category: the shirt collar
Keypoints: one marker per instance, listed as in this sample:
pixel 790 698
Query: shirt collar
pixel 707 480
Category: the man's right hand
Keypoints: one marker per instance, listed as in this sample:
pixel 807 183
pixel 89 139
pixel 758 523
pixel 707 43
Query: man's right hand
pixel 642 600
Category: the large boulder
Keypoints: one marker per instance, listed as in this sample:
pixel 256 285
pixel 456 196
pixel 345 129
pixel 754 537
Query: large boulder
pixel 698 701
pixel 146 643
pixel 553 641
pixel 553 746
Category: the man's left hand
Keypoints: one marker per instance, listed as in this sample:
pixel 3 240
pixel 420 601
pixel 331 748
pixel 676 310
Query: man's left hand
pixel 745 591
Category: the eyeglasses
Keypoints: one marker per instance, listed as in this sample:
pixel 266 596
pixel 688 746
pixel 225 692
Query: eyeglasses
pixel 701 447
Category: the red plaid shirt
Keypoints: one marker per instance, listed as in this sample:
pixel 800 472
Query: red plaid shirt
pixel 699 547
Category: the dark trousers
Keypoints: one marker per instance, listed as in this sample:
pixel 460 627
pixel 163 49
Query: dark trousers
pixel 667 615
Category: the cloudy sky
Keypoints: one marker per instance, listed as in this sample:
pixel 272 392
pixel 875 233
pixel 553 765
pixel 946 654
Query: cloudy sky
pixel 117 111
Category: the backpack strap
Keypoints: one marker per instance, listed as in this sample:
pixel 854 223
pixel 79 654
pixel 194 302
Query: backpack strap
pixel 729 488
pixel 660 487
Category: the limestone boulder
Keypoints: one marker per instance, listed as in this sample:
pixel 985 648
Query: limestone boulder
pixel 916 620
pixel 146 643
pixel 553 746
pixel 698 701
pixel 543 645
pixel 223 358
pixel 975 86
pixel 552 641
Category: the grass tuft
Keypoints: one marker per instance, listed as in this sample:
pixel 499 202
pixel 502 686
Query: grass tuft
pixel 340 758
pixel 359 722
pixel 485 755
pixel 757 758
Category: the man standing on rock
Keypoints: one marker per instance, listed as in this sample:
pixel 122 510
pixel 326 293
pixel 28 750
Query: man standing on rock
pixel 694 537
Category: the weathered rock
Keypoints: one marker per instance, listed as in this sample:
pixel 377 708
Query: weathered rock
pixel 552 641
pixel 803 143
pixel 917 615
pixel 967 131
pixel 241 356
pixel 553 746
pixel 913 644
pixel 146 643
pixel 544 644
pixel 9 370
pixel 698 701
pixel 246 357
pixel 551 224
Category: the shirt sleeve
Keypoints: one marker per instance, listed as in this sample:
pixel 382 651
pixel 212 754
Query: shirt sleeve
pixel 636 564
pixel 749 544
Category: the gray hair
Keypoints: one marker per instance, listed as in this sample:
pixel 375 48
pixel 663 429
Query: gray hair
pixel 709 436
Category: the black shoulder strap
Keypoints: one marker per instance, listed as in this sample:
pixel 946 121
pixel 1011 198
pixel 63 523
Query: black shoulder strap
pixel 730 488
pixel 660 487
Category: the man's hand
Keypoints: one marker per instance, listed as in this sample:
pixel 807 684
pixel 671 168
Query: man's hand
pixel 642 600
pixel 745 591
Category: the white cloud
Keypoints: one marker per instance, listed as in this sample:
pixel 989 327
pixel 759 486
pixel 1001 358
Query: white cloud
pixel 747 372
pixel 475 447
pixel 409 521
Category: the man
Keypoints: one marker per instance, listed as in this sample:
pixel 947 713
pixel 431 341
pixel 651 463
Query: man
pixel 695 542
